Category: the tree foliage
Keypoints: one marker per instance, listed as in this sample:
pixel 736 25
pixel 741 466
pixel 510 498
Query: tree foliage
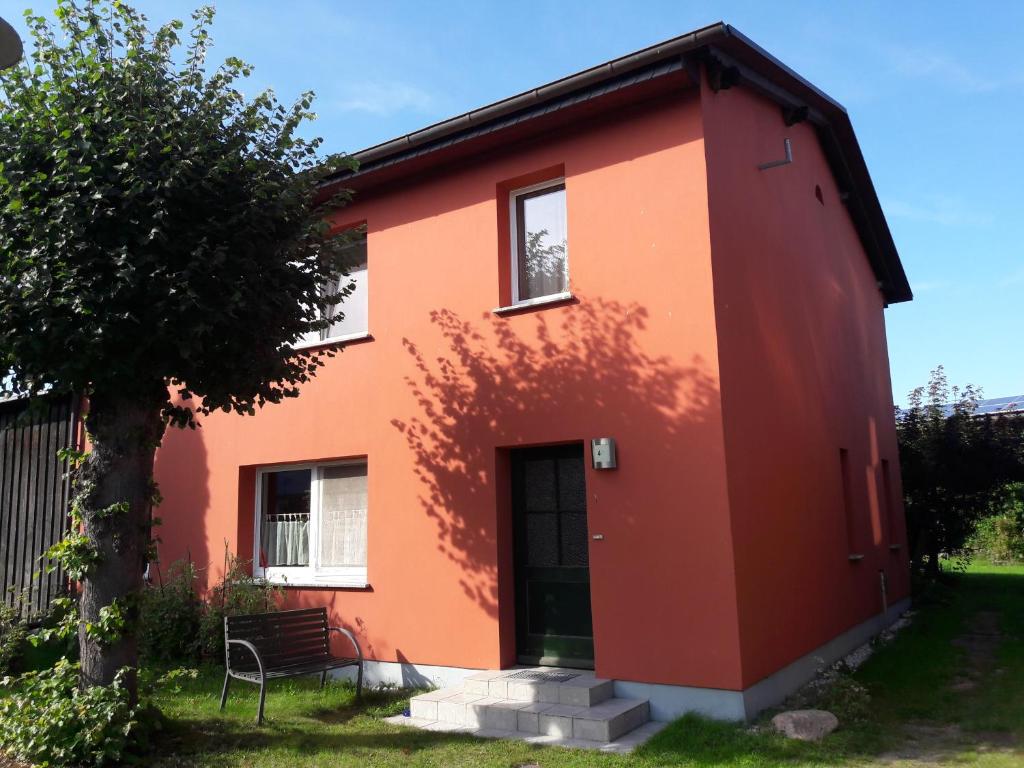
pixel 954 465
pixel 162 246
pixel 156 225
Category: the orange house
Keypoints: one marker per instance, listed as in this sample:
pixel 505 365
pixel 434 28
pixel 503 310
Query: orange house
pixel 612 393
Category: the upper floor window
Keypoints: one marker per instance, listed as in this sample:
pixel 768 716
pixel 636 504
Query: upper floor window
pixel 355 305
pixel 311 524
pixel 540 258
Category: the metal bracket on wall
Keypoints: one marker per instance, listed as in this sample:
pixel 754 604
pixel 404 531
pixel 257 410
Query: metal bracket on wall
pixel 777 163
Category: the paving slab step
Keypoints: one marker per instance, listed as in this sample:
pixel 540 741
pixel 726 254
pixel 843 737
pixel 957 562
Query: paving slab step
pixel 582 690
pixel 622 745
pixel 581 711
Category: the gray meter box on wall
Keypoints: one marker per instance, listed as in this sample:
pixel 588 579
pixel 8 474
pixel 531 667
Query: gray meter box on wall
pixel 603 452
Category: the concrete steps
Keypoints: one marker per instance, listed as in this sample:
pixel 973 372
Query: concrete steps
pixel 562 704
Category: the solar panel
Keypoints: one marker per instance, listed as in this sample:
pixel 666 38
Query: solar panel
pixel 1011 404
pixel 989 406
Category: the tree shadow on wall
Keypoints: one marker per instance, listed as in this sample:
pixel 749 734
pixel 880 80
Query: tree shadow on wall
pixel 554 377
pixel 181 469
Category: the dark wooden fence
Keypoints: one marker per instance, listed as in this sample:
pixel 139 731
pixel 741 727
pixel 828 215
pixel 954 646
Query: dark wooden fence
pixel 34 495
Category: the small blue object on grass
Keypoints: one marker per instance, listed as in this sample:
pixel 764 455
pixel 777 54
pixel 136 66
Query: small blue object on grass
pixel 406 712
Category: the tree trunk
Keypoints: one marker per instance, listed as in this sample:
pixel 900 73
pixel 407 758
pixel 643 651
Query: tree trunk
pixel 921 541
pixel 114 496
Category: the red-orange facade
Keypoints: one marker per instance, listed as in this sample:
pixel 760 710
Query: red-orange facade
pixel 723 325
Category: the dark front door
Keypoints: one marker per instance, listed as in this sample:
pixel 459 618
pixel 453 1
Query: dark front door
pixel 549 503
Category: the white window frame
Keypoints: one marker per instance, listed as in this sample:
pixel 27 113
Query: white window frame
pixel 340 339
pixel 513 231
pixel 312 575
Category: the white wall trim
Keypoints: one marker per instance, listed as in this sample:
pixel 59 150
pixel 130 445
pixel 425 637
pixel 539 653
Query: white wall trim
pixel 671 701
pixel 778 685
pixel 357 336
pixel 554 298
pixel 668 701
pixel 407 674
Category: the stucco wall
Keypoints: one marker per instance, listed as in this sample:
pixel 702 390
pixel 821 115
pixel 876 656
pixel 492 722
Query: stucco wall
pixel 445 386
pixel 804 370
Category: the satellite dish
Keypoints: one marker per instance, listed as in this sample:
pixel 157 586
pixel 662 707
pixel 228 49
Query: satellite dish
pixel 10 46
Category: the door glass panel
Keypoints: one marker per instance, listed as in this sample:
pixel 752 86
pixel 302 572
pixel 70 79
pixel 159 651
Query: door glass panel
pixel 560 608
pixel 574 540
pixel 572 493
pixel 542 539
pixel 540 485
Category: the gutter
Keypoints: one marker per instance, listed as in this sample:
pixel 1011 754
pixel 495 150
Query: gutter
pixel 587 77
pixel 730 58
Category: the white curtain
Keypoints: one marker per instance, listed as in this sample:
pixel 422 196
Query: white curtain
pixel 286 539
pixel 343 516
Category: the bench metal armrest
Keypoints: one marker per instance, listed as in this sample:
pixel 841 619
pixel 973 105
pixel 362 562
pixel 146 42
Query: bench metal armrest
pixel 352 639
pixel 252 649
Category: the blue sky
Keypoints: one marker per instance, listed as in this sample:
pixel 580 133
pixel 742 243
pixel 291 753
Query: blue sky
pixel 935 92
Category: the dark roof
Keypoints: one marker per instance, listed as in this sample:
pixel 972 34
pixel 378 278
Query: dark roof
pixel 730 59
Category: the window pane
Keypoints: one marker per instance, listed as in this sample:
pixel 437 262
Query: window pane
pixel 354 306
pixel 541 243
pixel 343 516
pixel 284 521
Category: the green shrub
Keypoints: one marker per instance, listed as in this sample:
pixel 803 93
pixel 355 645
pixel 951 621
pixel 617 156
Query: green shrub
pixel 177 627
pixel 237 593
pixel 848 700
pixel 12 637
pixel 169 618
pixel 45 719
pixel 999 538
pixel 56 637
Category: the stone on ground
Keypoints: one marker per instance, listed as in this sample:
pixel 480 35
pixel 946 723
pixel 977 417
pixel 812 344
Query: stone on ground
pixel 805 724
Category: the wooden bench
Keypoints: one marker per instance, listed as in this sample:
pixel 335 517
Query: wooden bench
pixel 264 646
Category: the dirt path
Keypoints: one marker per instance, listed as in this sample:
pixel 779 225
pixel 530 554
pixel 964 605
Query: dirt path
pixel 928 743
pixel 980 643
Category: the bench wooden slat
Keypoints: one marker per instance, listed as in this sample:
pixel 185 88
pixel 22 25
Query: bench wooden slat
pixel 249 621
pixel 278 618
pixel 289 644
pixel 269 634
pixel 276 630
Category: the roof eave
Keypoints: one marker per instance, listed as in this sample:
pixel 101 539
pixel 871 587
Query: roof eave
pixel 717 45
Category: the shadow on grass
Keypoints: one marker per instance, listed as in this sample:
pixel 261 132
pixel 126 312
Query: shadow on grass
pixel 915 713
pixel 299 718
pixel 697 741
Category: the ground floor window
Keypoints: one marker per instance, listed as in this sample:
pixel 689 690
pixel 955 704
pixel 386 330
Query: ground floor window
pixel 311 524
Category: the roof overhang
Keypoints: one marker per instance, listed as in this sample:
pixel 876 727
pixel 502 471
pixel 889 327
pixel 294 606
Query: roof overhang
pixel 730 59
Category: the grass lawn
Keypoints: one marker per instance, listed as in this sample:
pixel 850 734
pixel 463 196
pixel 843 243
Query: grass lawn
pixel 949 690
